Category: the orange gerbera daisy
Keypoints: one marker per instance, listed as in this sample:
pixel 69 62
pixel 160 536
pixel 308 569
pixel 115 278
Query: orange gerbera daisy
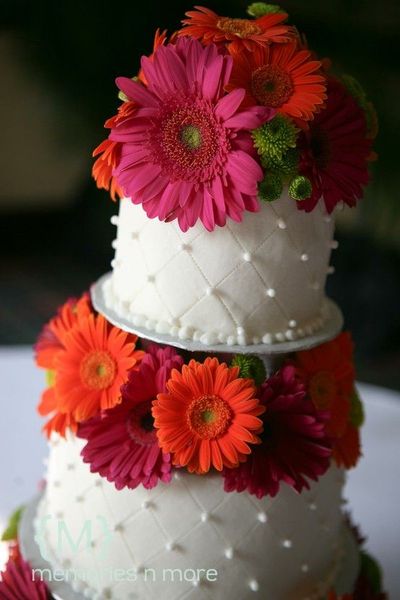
pixel 59 422
pixel 92 366
pixel 208 417
pixel 347 449
pixel 50 340
pixel 328 373
pixel 205 25
pixel 284 77
pixel 108 155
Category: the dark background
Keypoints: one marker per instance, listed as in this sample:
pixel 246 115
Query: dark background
pixel 58 61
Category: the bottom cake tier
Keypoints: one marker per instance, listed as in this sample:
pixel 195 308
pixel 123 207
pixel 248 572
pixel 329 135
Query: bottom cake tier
pixel 191 539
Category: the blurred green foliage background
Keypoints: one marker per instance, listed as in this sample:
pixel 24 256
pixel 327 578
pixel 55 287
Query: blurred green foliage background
pixel 73 51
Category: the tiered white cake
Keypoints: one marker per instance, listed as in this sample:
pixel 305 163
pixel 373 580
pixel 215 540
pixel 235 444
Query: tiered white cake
pixel 261 281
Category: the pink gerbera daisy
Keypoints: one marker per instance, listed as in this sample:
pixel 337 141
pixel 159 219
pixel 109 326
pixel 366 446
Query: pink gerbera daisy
pixel 17 582
pixel 122 443
pixel 186 152
pixel 294 444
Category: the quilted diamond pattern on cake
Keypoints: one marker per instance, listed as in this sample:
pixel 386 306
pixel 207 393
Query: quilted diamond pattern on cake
pixel 212 283
pixel 191 524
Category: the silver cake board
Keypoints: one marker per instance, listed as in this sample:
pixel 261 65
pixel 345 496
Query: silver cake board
pixel 62 590
pixel 331 327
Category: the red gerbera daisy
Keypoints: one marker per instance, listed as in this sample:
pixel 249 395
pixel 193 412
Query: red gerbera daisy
pixel 17 582
pixel 186 152
pixel 208 416
pixel 122 442
pixel 294 445
pixel 328 373
pixel 335 150
pixel 208 27
pixel 284 77
pixel 92 366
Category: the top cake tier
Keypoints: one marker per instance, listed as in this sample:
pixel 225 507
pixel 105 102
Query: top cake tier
pixel 256 282
pixel 235 144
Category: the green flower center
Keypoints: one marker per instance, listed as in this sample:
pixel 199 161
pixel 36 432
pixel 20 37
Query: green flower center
pixel 191 137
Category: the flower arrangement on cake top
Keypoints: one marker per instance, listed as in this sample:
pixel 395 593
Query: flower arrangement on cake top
pixel 225 113
pixel 146 410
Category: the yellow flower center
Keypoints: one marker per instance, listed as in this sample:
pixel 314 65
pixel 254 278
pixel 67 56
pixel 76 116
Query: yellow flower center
pixel 243 28
pixel 209 416
pixel 271 85
pixel 322 389
pixel 97 370
pixel 50 377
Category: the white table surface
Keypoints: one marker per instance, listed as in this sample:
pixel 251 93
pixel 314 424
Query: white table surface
pixel 373 488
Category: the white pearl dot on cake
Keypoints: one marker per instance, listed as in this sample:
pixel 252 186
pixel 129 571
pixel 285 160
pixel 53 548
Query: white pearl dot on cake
pixel 98 483
pixel 195 582
pixel 292 323
pixel 210 291
pixel 169 546
pixel 330 270
pixel 327 218
pixel 146 504
pixel 59 515
pixel 229 552
pixel 304 257
pixel 79 499
pixel 247 257
pixel 66 563
pixel 204 517
pixel 134 235
pixel 280 336
pixel 119 527
pixel 316 285
pixel 114 220
pixel 262 517
pixel 56 483
pixel 240 330
pixel 151 278
pixel 305 568
pixel 287 543
pixel 184 247
pixel 177 476
pixel 270 292
pixel 281 224
pixel 70 467
pixel 334 244
pixel 253 585
pixel 267 338
pixel 312 506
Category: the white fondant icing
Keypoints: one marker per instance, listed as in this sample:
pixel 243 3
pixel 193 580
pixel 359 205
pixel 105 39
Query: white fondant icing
pixel 276 546
pixel 204 285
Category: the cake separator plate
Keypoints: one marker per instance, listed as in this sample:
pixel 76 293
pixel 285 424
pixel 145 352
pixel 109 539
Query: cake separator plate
pixel 332 325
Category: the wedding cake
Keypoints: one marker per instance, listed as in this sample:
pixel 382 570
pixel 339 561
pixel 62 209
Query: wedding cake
pixel 201 407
